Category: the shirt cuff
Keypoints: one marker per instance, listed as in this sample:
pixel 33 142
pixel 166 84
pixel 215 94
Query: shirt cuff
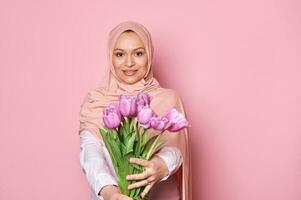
pixel 173 159
pixel 101 181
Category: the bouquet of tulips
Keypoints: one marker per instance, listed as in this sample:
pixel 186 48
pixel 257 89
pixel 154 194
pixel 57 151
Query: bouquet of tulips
pixel 125 134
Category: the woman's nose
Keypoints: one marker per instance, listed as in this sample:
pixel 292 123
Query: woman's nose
pixel 129 61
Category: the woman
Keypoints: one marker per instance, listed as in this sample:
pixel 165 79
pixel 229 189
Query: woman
pixel 167 174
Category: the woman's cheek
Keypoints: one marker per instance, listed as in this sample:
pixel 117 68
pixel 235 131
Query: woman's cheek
pixel 142 72
pixel 120 63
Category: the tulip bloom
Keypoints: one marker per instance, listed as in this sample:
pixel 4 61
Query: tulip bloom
pixel 177 120
pixel 128 106
pixel 144 116
pixel 143 99
pixel 111 116
pixel 159 123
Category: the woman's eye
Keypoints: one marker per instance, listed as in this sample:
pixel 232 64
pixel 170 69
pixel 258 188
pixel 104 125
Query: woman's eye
pixel 118 54
pixel 139 53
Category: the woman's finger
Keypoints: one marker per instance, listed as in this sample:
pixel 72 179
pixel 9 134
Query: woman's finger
pixel 120 197
pixel 138 161
pixel 140 176
pixel 147 189
pixel 138 184
pixel 123 197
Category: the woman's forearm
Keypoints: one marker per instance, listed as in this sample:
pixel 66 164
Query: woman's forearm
pixel 93 162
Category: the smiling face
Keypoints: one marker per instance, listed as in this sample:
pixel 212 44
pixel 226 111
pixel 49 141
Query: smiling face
pixel 129 58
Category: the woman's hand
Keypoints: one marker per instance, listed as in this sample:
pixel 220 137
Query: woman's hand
pixel 111 192
pixel 155 170
pixel 118 196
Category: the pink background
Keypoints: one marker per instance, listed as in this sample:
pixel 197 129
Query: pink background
pixel 235 64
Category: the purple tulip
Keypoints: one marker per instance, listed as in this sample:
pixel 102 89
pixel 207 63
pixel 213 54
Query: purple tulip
pixel 143 99
pixel 111 116
pixel 159 123
pixel 128 106
pixel 177 120
pixel 144 116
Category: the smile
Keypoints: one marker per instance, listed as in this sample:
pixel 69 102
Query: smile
pixel 129 72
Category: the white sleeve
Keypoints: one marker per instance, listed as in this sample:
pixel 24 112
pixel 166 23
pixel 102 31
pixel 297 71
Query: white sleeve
pixel 93 163
pixel 173 159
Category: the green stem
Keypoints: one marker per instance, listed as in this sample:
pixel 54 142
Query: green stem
pixel 153 145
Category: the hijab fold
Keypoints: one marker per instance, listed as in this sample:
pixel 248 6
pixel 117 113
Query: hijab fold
pixel 163 99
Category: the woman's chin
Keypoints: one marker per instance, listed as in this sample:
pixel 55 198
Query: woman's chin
pixel 130 80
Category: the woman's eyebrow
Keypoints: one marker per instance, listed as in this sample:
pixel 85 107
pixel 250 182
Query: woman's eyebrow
pixel 123 49
pixel 139 48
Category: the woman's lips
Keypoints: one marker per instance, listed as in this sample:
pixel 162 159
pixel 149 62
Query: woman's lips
pixel 129 72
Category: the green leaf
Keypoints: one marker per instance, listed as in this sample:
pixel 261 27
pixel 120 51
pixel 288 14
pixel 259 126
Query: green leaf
pixel 156 147
pixel 114 150
pixel 159 145
pixel 136 146
pixel 123 149
pixel 121 134
pixel 130 119
pixel 111 152
pixel 136 167
pixel 120 162
pixel 126 125
pixel 103 129
pixel 137 191
pixel 148 145
pixel 144 137
pixel 133 123
pixel 134 193
pixel 130 143
pixel 113 147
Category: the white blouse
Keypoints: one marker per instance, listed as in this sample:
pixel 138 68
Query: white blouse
pixel 97 165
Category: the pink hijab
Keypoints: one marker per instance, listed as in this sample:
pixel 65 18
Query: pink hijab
pixel 162 99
